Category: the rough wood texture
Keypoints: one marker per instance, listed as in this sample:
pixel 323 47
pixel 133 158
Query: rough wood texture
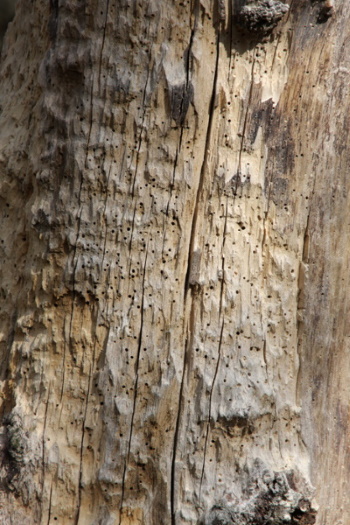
pixel 174 275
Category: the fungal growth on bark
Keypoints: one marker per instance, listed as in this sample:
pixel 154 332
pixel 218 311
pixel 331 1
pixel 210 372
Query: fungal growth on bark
pixel 270 498
pixel 261 16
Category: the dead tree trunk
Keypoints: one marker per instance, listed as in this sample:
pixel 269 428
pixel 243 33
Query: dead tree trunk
pixel 174 276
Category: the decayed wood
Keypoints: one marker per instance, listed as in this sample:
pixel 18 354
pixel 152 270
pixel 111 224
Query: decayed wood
pixel 174 203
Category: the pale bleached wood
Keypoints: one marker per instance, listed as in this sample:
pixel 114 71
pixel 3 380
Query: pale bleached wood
pixel 174 245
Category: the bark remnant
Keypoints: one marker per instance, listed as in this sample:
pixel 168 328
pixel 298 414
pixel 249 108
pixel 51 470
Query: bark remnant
pixel 261 16
pixel 273 498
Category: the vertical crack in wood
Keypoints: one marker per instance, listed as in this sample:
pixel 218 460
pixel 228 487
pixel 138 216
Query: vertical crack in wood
pixel 136 382
pixel 91 119
pixel 188 342
pixel 203 168
pixel 43 465
pixel 103 44
pixel 176 438
pixel 188 92
pixel 241 149
pixel 82 438
pixel 222 285
pixel 210 407
pixel 265 357
pixel 143 105
pixel 50 504
pixel 65 343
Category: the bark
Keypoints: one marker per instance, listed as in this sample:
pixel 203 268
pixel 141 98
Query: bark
pixel 174 281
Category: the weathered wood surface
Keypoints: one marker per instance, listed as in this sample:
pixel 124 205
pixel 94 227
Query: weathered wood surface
pixel 174 263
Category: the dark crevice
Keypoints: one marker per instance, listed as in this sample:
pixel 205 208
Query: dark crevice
pixel 203 169
pixel 53 20
pixel 50 504
pixel 176 439
pixel 222 285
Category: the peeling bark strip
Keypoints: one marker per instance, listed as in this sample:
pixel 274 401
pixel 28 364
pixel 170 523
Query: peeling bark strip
pixel 194 270
pixel 181 96
pixel 174 264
